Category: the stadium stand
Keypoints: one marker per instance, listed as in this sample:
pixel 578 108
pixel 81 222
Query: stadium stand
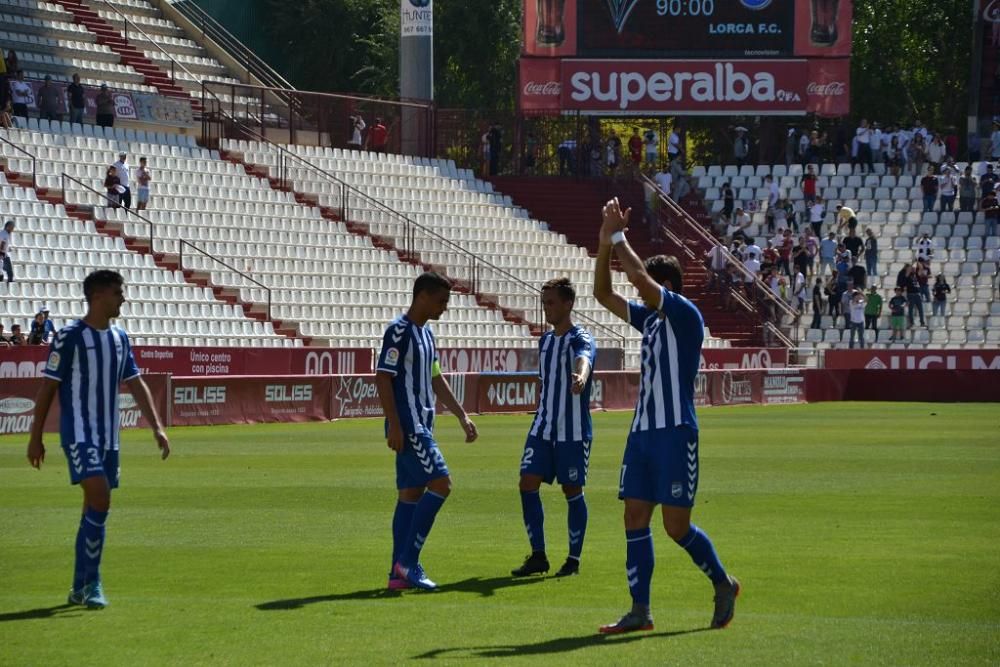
pixel 892 206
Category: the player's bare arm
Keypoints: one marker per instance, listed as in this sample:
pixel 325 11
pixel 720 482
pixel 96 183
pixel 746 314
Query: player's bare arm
pixel 616 220
pixel 383 383
pixel 43 401
pixel 603 291
pixel 581 373
pixel 144 400
pixel 443 390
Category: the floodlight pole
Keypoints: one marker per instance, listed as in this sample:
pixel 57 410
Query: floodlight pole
pixel 975 70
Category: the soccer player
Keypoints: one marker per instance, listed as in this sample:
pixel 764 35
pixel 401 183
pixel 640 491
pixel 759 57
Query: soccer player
pixel 660 464
pixel 558 444
pixel 408 378
pixel 87 361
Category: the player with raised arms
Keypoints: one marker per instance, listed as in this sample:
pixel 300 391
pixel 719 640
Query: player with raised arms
pixel 660 464
pixel 558 443
pixel 88 360
pixel 408 378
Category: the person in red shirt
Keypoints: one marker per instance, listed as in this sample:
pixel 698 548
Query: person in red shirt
pixel 809 184
pixel 635 148
pixel 378 137
pixel 787 243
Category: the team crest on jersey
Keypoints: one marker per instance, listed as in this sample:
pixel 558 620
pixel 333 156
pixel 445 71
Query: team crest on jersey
pixel 676 489
pixel 53 364
pixel 392 357
pixel 573 474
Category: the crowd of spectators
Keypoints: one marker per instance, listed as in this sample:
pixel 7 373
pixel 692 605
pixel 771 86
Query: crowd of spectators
pixel 40 333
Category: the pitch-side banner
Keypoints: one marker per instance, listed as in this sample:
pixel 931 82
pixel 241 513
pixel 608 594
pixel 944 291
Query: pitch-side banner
pixel 976 360
pixel 249 400
pixel 17 404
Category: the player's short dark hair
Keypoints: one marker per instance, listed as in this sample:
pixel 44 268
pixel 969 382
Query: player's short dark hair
pixel 662 268
pixel 564 286
pixel 430 281
pixel 100 280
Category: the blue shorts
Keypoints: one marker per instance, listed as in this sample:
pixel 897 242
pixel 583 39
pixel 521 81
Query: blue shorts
pixel 419 462
pixel 143 195
pixel 661 466
pixel 87 460
pixel 565 461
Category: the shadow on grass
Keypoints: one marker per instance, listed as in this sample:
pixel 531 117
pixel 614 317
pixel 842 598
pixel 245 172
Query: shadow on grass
pixel 560 645
pixel 482 587
pixel 41 612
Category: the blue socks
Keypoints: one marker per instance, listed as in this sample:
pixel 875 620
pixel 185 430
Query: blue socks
pixel 702 552
pixel 423 520
pixel 639 562
pixel 577 523
pixel 402 519
pixel 534 519
pixel 91 546
pixel 78 564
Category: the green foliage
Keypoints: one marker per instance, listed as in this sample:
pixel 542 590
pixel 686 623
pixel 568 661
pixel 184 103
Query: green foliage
pixel 863 534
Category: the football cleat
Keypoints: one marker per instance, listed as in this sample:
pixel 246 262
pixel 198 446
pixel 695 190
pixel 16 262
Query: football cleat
pixel 75 596
pixel 415 576
pixel 93 596
pixel 725 602
pixel 397 584
pixel 633 621
pixel 569 568
pixel 536 563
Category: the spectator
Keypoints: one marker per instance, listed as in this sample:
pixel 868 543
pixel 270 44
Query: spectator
pixel 7 116
pixel 846 297
pixel 804 148
pixel 857 274
pixel 991 212
pixel 843 262
pixel 785 252
pixel 495 137
pixel 811 244
pixel 752 266
pixel 995 142
pixel 800 293
pixel 50 328
pixel 791 145
pixel 105 101
pixel 751 249
pixel 20 95
pixel 941 291
pixel 679 179
pixel 113 186
pixel 914 302
pixel 741 147
pixel 651 140
pixel 11 62
pixel 897 305
pixel 738 224
pixel 143 177
pixel 635 146
pixel 871 253
pixel 917 154
pixel 923 272
pixel 817 304
pixel 717 264
pixel 988 181
pixel 36 335
pixel 967 192
pixel 878 154
pixel 925 247
pixel 5 73
pixel 613 153
pixel 664 180
pixel 893 157
pixel 530 156
pixel 808 185
pixel 77 101
pixel 124 178
pixel 817 212
pixel 674 144
pixel 975 147
pixel 846 217
pixel 854 243
pixel 832 291
pixel 50 102
pixel 16 337
pixel 355 138
pixel 728 199
pixel 827 253
pixel 769 257
pixel 778 216
pixel 929 188
pixel 873 310
pixel 948 189
pixel 936 152
pixel 773 191
pixel 378 137
pixel 857 317
pixel 864 138
pixel 4 341
pixel 567 157
pixel 6 244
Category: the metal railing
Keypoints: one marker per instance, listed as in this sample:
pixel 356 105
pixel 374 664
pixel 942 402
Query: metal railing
pixel 34 160
pixel 411 239
pixel 241 53
pixel 678 225
pixel 111 203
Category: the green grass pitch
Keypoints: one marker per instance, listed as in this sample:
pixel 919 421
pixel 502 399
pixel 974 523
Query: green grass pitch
pixel 863 534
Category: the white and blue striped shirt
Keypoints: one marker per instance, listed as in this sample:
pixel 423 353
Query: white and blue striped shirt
pixel 408 354
pixel 563 416
pixel 671 352
pixel 90 364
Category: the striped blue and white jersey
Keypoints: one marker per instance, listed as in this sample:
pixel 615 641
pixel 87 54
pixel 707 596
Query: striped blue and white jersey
pixel 671 353
pixel 563 416
pixel 89 365
pixel 409 354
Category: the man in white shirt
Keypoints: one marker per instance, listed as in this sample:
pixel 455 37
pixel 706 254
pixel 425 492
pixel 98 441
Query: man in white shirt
pixel 664 180
pixel 20 95
pixel 773 193
pixel 876 143
pixel 857 317
pixel 925 247
pixel 651 140
pixel 817 212
pixel 123 178
pixel 863 135
pixel 904 138
pixel 6 241
pixel 995 141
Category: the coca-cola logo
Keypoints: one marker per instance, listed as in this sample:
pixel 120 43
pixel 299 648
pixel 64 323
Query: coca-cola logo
pixel 548 88
pixel 992 12
pixel 832 89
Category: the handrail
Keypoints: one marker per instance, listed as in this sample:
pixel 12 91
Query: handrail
pixel 215 31
pixel 334 96
pixel 34 160
pixel 692 226
pixel 410 227
pixel 181 242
